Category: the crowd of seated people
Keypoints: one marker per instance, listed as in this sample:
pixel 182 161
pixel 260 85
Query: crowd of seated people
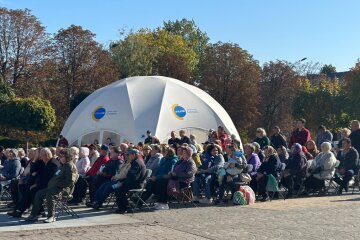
pixel 212 170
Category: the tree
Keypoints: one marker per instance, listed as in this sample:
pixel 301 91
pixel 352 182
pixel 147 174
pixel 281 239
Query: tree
pixel 23 43
pixel 28 114
pixel 78 98
pixel 328 70
pixel 81 64
pixel 231 76
pixel 352 89
pixel 322 104
pixel 6 92
pixel 279 85
pixel 153 53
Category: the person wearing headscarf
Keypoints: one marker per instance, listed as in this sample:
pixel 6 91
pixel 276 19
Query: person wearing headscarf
pixel 295 169
pixel 321 168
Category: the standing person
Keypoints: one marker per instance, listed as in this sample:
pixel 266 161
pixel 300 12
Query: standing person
pixel 183 137
pixel 300 135
pixel 148 139
pixel 261 138
pixel 355 134
pixel 223 137
pixel 63 181
pixel 324 135
pixel 173 140
pixel 277 139
pixel 349 165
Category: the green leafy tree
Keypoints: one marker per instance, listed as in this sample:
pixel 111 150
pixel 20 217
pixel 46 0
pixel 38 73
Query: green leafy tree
pixel 232 76
pixel 328 69
pixel 352 90
pixel 6 91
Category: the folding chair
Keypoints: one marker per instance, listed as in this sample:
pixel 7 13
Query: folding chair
pixel 5 194
pixel 135 195
pixel 355 182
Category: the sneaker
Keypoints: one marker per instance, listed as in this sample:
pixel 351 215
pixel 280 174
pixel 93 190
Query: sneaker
pixel 50 219
pixel 206 201
pixel 162 206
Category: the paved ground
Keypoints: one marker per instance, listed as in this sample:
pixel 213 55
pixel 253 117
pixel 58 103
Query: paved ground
pixel 306 218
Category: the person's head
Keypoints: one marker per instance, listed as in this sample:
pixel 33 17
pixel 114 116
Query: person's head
pixel 220 130
pixel 346 143
pixel 155 149
pixel 115 152
pixel 249 149
pixel 164 148
pixel 260 132
pixel 21 153
pixel 96 141
pixel 104 150
pixel 84 152
pixel 13 153
pixel 321 129
pixel 170 152
pixel 173 134
pixel 133 154
pixel 65 156
pixel 214 149
pixel 325 147
pixel 108 140
pixel 146 150
pixel 269 151
pixel 45 154
pixel 345 132
pixel 148 133
pixel 61 137
pixel 296 148
pixel 300 123
pixel 230 149
pixel 92 148
pixel 276 130
pixel 31 154
pixel 53 151
pixel 182 133
pixel 192 137
pixel 282 151
pixel 186 152
pixel 355 125
pixel 155 140
pixel 124 147
pixel 257 147
pixel 58 149
pixel 74 151
pixel 214 135
pixel 311 146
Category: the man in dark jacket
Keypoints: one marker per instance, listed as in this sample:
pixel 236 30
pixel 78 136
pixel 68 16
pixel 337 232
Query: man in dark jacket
pixel 133 180
pixel 62 182
pixel 2 156
pixel 40 182
pixel 183 138
pixel 349 164
pixel 277 139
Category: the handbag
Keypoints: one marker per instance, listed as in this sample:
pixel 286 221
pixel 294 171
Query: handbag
pixel 173 188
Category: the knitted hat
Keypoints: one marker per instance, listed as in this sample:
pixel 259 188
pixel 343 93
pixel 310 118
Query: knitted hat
pixel 188 150
pixel 104 147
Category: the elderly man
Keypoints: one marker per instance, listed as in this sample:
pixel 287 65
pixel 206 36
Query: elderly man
pixel 11 168
pixel 133 180
pixel 40 182
pixel 62 182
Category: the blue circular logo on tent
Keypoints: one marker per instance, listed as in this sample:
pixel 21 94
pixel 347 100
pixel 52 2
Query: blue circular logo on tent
pixel 98 113
pixel 179 111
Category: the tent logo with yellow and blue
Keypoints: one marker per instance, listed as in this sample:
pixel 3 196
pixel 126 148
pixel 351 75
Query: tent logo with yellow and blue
pixel 179 111
pixel 98 113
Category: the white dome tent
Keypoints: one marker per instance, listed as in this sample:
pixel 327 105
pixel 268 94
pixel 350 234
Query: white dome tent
pixel 126 109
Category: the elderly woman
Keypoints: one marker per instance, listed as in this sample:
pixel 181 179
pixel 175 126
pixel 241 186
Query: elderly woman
pixel 270 165
pixel 253 159
pixel 206 175
pixel 183 171
pixel 344 133
pixel 154 160
pixel 321 168
pixel 283 154
pixel 261 138
pixel 62 182
pixel 295 169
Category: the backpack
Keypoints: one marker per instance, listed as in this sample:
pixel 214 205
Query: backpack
pixel 248 194
pixel 238 198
